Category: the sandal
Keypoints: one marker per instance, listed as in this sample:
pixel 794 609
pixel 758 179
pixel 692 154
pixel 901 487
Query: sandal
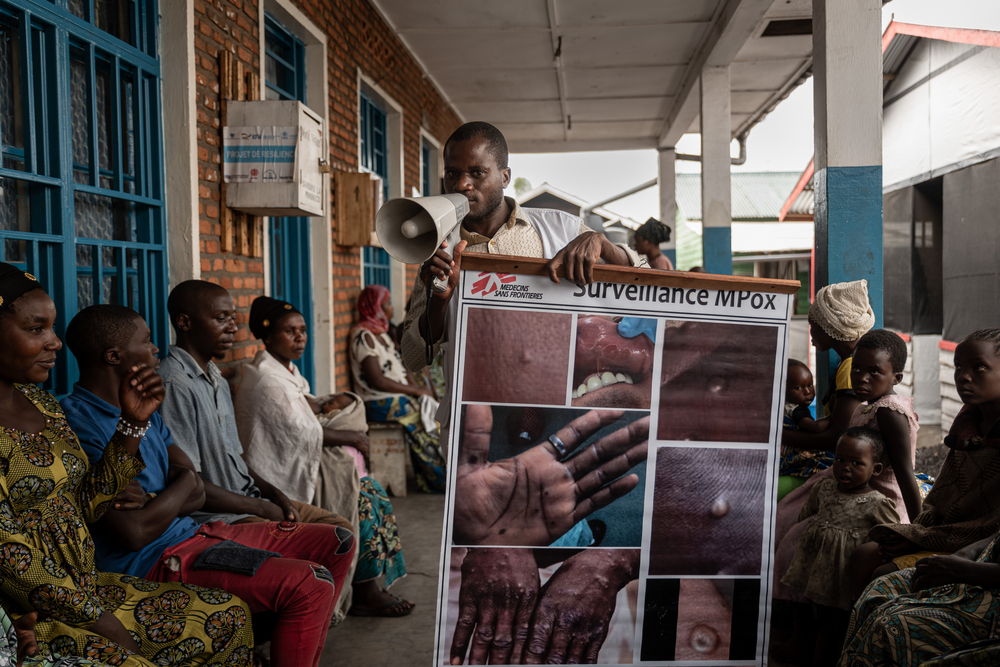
pixel 399 607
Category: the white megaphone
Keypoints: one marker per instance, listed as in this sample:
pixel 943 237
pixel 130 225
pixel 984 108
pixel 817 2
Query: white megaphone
pixel 411 228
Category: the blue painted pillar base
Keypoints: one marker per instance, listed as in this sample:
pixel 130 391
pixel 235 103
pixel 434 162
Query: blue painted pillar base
pixel 848 221
pixel 671 255
pixel 717 250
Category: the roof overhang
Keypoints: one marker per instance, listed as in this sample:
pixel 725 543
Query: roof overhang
pixel 572 75
pixel 898 41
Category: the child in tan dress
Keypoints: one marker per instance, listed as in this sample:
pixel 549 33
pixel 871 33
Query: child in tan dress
pixel 841 510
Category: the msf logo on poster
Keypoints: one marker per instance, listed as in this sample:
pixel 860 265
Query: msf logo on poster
pixel 487 282
pixel 502 286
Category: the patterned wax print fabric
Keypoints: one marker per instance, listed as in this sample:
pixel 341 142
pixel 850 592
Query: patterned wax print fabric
pixel 893 624
pixel 838 523
pixel 425 448
pixel 380 552
pixel 363 344
pixel 48 494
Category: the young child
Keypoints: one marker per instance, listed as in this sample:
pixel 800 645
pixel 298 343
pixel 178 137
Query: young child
pixel 961 508
pixel 843 508
pixel 876 369
pixel 799 394
pixel 798 465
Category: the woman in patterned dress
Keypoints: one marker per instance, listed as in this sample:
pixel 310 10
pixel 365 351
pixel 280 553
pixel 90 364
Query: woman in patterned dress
pixel 382 383
pixel 48 495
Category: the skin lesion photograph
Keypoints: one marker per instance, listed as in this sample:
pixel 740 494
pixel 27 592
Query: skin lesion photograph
pixel 516 606
pixel 516 356
pixel 716 382
pixel 549 477
pixel 613 366
pixel 708 511
pixel 700 620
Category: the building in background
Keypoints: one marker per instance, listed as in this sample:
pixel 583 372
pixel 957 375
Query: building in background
pixel 941 144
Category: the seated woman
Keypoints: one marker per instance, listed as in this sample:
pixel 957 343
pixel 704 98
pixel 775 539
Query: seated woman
pixel 48 494
pixel 943 604
pixel 279 422
pixel 389 396
pixel 647 240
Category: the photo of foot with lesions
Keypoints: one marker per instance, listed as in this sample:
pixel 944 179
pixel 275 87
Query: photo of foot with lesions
pixel 716 382
pixel 613 364
pixel 549 477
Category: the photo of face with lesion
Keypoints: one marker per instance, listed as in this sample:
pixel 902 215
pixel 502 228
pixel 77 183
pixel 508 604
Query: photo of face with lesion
pixel 613 364
pixel 716 382
pixel 516 356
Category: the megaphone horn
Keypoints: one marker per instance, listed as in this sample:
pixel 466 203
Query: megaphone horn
pixel 412 228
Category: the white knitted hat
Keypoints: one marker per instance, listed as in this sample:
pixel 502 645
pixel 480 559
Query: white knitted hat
pixel 843 311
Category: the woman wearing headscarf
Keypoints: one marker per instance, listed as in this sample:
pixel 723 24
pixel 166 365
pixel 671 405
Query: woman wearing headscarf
pixel 389 396
pixel 313 448
pixel 49 493
pixel 838 317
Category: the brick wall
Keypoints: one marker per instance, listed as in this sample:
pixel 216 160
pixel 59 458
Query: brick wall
pixel 358 39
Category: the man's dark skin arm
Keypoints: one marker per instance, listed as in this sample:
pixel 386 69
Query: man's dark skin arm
pixel 136 528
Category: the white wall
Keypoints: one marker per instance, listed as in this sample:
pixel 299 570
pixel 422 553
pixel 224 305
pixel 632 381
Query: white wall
pixel 946 111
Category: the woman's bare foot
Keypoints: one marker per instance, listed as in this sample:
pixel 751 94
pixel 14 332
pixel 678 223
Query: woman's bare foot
pixel 371 600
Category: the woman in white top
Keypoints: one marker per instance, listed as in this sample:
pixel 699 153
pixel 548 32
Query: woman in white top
pixel 380 379
pixel 314 450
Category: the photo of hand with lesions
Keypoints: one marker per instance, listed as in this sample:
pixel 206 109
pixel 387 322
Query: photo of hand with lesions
pixel 716 382
pixel 518 606
pixel 613 361
pixel 539 477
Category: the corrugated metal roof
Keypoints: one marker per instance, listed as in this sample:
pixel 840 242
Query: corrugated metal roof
pixel 757 195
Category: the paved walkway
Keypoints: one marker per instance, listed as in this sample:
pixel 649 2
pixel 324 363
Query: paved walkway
pixel 394 642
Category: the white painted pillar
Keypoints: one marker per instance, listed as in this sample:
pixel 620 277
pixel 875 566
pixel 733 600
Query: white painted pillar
pixel 847 106
pixel 716 192
pixel 667 181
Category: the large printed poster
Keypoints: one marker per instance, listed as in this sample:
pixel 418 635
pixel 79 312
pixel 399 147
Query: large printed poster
pixel 613 458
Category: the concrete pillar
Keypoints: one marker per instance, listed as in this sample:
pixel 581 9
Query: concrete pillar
pixel 716 187
pixel 847 108
pixel 667 181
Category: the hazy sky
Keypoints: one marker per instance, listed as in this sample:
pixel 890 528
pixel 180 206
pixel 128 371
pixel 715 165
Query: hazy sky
pixel 783 141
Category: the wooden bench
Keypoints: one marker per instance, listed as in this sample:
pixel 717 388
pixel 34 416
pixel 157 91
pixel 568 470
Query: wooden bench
pixel 389 456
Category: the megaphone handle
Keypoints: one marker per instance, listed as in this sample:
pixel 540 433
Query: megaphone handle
pixel 439 284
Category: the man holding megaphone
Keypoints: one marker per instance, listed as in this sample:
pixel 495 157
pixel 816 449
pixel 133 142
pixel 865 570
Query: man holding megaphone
pixel 475 166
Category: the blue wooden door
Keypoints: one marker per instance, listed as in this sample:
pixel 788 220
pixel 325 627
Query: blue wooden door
pixel 291 241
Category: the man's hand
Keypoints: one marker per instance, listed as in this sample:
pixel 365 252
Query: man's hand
pixel 284 504
pixel 497 598
pixel 576 605
pixel 140 394
pixel 580 255
pixel 24 629
pixel 444 266
pixel 533 498
pixel 132 497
